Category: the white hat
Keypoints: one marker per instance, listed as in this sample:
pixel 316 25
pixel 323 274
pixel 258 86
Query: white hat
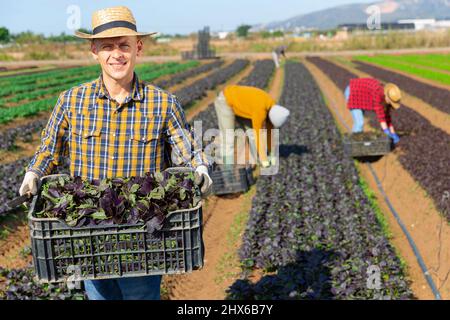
pixel 278 115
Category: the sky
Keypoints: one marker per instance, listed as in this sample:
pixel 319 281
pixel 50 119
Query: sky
pixel 165 16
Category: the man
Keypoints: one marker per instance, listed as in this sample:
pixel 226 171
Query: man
pixel 241 103
pixel 277 53
pixel 367 94
pixel 116 126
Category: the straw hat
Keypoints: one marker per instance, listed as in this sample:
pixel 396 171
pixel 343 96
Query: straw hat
pixel 393 95
pixel 112 22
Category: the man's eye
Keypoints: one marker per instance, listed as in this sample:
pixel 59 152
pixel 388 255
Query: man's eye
pixel 125 46
pixel 107 47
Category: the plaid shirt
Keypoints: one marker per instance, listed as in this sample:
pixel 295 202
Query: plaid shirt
pixel 368 94
pixel 104 139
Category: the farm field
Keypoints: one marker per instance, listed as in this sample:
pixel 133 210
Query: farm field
pixel 315 230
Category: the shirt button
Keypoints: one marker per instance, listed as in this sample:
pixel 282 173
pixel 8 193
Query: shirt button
pixel 143 139
pixel 113 157
pixel 86 135
pixel 114 134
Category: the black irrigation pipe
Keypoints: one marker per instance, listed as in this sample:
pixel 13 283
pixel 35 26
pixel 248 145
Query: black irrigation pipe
pixel 411 242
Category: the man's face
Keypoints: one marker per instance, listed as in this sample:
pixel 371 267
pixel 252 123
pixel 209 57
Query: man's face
pixel 117 56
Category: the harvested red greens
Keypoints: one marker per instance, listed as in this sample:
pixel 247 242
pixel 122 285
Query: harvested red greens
pixel 130 200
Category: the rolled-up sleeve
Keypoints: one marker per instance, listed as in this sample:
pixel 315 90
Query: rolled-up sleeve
pixel 182 140
pixel 54 139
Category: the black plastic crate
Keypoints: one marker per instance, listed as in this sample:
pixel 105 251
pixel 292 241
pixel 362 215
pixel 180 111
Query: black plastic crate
pixel 367 144
pixel 233 179
pixel 61 252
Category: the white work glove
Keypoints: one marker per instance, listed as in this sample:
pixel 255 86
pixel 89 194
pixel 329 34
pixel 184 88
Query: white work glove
pixel 273 160
pixel 203 180
pixel 29 183
pixel 265 164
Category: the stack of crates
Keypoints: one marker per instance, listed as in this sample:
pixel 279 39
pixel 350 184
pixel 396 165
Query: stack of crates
pixel 202 49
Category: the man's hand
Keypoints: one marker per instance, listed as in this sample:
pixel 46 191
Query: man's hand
pixel 203 180
pixel 388 133
pixel 395 138
pixel 29 183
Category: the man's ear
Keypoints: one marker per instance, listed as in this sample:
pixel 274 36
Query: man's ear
pixel 140 47
pixel 94 51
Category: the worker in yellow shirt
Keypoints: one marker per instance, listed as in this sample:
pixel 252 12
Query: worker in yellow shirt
pixel 248 106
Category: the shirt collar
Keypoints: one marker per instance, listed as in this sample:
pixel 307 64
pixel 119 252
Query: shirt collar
pixel 137 93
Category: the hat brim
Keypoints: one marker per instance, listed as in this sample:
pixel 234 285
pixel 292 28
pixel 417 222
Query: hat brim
pixel 395 105
pixel 113 33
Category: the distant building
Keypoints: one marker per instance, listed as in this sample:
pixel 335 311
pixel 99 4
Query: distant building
pixel 223 35
pixel 163 40
pixel 427 24
pixel 351 27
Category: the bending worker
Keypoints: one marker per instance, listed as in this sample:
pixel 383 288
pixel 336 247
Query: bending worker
pixel 277 53
pixel 244 105
pixel 116 126
pixel 367 94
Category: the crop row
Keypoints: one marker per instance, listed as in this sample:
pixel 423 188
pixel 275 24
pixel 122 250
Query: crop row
pixel 30 92
pixel 199 88
pixel 397 63
pixel 437 97
pixel 425 147
pixel 43 76
pixel 261 74
pixel 180 77
pixel 22 133
pixel 32 108
pixel 312 224
pixel 72 77
pixel 435 61
pixel 23 92
pixel 21 285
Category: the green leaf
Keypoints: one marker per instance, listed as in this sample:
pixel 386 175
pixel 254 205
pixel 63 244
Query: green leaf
pixel 132 199
pixel 182 194
pixel 159 177
pixel 157 193
pixel 61 181
pixel 99 215
pixel 134 188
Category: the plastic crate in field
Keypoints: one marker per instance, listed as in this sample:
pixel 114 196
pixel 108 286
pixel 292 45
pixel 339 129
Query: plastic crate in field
pixel 367 144
pixel 233 179
pixel 61 252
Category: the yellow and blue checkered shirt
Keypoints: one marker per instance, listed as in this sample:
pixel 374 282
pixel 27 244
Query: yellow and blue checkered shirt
pixel 104 139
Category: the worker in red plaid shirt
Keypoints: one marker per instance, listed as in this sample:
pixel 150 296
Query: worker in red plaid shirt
pixel 367 94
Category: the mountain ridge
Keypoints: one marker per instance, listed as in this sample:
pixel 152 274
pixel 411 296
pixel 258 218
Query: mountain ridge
pixel 391 11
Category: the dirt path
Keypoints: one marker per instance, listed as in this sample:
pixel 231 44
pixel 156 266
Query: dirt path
pixel 276 84
pixel 221 264
pixel 428 228
pixel 438 118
